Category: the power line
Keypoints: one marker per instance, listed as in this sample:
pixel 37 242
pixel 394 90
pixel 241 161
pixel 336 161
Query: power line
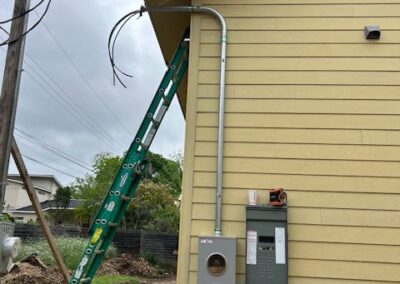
pixel 11 41
pixel 48 166
pixel 23 14
pixel 79 114
pixel 4 30
pixel 32 149
pixel 50 148
pixel 75 115
pixel 93 91
pixel 77 111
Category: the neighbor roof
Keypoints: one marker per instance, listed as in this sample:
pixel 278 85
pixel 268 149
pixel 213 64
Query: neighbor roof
pixel 51 204
pixel 55 179
pixel 35 187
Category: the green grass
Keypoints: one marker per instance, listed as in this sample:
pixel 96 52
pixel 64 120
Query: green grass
pixel 114 279
pixel 71 250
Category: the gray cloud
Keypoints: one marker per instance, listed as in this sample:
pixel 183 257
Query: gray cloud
pixel 82 28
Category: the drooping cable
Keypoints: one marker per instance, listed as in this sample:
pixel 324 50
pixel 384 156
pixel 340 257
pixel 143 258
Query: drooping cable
pixel 115 31
pixel 23 14
pixel 11 41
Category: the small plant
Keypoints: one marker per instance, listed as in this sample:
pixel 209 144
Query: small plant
pixel 71 250
pixel 151 258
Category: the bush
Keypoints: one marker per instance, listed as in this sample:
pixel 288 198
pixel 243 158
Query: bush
pixel 71 250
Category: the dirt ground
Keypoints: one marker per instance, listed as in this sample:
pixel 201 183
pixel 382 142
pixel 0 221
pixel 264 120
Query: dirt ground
pixel 32 270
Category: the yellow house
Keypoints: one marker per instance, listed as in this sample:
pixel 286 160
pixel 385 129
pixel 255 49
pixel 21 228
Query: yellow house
pixel 311 106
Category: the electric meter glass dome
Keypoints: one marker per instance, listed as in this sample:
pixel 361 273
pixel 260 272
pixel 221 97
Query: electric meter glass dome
pixel 216 264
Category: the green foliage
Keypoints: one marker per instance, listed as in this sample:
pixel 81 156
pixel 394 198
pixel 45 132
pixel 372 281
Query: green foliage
pixel 63 196
pixel 70 249
pixel 5 217
pixel 115 279
pixel 165 171
pixel 152 209
pixel 93 188
pixel 151 258
pixel 61 199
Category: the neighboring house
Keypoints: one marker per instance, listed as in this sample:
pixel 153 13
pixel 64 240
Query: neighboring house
pixel 16 196
pixel 311 106
pixel 27 213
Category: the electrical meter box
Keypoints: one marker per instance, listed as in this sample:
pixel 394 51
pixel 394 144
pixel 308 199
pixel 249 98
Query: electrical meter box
pixel 266 249
pixel 217 260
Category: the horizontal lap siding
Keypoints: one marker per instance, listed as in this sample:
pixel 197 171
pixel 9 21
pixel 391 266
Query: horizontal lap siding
pixel 312 107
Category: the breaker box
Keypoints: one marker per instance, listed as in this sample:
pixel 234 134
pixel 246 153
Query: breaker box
pixel 217 260
pixel 266 248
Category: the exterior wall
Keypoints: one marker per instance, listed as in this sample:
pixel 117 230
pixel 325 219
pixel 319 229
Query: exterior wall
pixel 24 217
pixel 47 183
pixel 311 107
pixel 17 197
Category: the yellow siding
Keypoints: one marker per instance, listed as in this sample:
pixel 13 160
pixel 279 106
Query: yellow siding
pixel 312 107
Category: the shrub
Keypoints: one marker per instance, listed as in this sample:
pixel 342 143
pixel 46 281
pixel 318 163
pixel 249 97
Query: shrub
pixel 71 250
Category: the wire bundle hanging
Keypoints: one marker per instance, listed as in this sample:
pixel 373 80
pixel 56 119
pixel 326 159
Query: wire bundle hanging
pixel 10 40
pixel 115 31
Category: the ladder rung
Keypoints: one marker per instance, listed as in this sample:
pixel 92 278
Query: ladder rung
pixel 124 198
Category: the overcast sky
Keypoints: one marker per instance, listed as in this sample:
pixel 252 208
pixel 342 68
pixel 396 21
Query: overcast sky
pixel 82 29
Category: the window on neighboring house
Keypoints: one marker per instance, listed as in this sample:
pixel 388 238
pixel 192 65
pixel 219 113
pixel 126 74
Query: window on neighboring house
pixel 41 192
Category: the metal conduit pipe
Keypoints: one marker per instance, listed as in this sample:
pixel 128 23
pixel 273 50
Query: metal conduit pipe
pixel 220 149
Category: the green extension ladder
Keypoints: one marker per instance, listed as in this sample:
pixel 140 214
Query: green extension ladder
pixel 126 182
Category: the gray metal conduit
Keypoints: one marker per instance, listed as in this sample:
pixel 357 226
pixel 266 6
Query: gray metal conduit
pixel 220 148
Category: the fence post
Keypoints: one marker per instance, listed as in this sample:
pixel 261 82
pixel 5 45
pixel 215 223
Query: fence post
pixel 141 242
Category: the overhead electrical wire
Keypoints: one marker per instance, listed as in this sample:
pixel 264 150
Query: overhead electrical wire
pixel 23 14
pixel 11 41
pixel 48 166
pixel 76 110
pixel 89 86
pixel 4 30
pixel 71 106
pixel 75 106
pixel 36 141
pixel 32 149
pixel 63 105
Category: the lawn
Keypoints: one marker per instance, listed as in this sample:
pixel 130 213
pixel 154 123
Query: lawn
pixel 115 279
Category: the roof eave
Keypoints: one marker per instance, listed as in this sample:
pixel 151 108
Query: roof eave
pixel 169 29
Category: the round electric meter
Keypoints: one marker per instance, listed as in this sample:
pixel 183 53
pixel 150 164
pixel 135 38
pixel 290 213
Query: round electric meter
pixel 216 264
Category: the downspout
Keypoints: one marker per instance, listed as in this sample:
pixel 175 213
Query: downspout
pixel 220 139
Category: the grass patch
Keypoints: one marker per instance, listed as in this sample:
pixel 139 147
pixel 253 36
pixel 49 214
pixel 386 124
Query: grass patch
pixel 114 279
pixel 71 250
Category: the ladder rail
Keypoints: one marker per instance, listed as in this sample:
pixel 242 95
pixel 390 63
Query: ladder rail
pixel 125 183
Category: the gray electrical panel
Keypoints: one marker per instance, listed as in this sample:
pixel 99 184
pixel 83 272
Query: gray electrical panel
pixel 217 260
pixel 266 248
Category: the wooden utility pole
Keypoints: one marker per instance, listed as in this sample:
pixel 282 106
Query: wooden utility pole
pixel 10 89
pixel 8 107
pixel 38 209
